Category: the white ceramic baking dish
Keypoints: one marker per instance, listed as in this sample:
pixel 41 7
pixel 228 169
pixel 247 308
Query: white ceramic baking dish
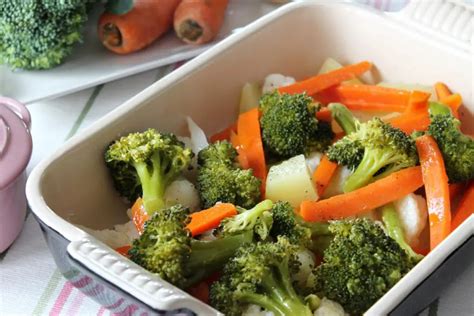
pixel 73 185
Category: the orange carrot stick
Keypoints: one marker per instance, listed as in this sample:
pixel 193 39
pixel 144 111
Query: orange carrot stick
pixel 465 208
pixel 323 174
pixel 210 218
pixel 416 116
pixel 137 28
pixel 199 21
pixel 250 141
pixel 442 90
pixel 373 195
pixel 224 134
pixel 324 115
pixel 323 81
pixel 367 97
pixel 123 250
pixel 454 101
pixel 139 215
pixel 436 188
pixel 412 123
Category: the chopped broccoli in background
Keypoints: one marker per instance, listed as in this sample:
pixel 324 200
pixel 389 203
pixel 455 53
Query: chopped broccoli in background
pixel 258 219
pixel 360 265
pixel 373 150
pixel 38 34
pixel 260 274
pixel 457 149
pixel 146 163
pixel 220 178
pixel 289 125
pixel 166 248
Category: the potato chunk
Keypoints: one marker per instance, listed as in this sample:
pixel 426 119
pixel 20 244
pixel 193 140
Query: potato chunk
pixel 291 181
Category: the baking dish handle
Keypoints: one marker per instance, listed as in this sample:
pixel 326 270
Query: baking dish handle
pixel 133 279
pixel 448 21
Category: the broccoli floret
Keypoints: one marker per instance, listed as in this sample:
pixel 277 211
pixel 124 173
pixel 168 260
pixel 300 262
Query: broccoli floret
pixel 220 179
pixel 385 149
pixel 346 151
pixel 38 35
pixel 56 6
pixel 321 138
pixel 288 122
pixel 147 163
pixel 287 223
pixel 167 249
pixel 260 274
pixel 394 229
pixel 457 149
pixel 360 265
pixel 221 152
pixel 259 219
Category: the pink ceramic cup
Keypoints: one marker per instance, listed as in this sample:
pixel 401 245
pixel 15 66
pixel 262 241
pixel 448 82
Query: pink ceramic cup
pixel 15 153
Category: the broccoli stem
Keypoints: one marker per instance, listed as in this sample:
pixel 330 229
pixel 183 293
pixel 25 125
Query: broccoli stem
pixel 437 108
pixel 316 228
pixel 263 301
pixel 343 117
pixel 280 289
pixel 372 162
pixel 209 256
pixel 153 184
pixel 395 230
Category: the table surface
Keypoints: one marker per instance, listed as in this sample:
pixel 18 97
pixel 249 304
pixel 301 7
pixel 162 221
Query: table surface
pixel 30 283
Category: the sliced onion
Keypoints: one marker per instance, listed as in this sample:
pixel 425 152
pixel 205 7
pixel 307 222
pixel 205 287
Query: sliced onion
pixel 198 138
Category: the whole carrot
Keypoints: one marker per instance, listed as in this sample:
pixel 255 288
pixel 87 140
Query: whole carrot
pixel 145 22
pixel 199 21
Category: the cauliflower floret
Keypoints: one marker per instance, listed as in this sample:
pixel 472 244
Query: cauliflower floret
pixel 183 192
pixel 275 81
pixel 329 308
pixel 306 258
pixel 336 184
pixel 255 310
pixel 413 214
pixel 313 160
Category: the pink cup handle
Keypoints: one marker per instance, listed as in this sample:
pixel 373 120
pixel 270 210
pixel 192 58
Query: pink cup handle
pixel 18 108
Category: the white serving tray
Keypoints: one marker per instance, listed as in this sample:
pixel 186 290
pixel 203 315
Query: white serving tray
pixel 91 64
